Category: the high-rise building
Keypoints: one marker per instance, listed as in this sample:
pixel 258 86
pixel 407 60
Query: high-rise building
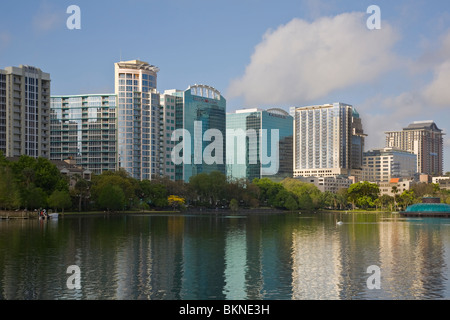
pixel 3 111
pixel 83 129
pixel 138 113
pixel 358 139
pixel 245 146
pixel 424 139
pixel 200 117
pixel 168 103
pixel 328 141
pixel 381 165
pixel 24 112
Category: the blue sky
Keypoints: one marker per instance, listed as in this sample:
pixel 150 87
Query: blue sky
pixel 256 52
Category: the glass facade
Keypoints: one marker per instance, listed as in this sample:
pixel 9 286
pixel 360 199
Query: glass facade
pixel 255 120
pixel 83 128
pixel 205 107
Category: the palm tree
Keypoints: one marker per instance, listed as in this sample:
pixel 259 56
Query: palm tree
pixel 394 190
pixel 81 189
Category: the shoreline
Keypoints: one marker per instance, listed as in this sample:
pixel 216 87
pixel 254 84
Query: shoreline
pixel 30 215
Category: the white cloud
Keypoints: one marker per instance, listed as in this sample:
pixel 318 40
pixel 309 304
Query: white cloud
pixel 380 114
pixel 438 91
pixel 301 61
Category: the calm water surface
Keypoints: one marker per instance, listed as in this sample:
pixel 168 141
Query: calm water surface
pixel 201 257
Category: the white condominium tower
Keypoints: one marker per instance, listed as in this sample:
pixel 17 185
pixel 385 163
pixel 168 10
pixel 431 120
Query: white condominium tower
pixel 83 129
pixel 24 112
pixel 138 118
pixel 328 141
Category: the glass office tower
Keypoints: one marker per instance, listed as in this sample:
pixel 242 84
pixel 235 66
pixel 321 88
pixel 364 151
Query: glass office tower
pixel 253 121
pixel 138 118
pixel 199 109
pixel 83 128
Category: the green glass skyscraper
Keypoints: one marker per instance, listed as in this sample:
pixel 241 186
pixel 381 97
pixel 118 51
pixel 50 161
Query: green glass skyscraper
pixel 245 157
pixel 200 116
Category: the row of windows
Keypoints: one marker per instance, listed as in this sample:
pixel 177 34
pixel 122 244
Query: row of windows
pixel 136 76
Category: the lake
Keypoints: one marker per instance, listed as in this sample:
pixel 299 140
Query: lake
pixel 288 256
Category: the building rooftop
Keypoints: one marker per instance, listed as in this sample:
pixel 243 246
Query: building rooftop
pixel 427 124
pixel 137 64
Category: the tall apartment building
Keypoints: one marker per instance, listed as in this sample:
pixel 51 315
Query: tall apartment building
pixel 381 165
pixel 328 141
pixel 24 112
pixel 244 143
pixel 138 113
pixel 168 104
pixel 83 129
pixel 424 139
pixel 199 109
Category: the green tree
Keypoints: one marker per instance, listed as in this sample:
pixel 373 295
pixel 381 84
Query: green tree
pixel 305 202
pixel 152 193
pixel 209 188
pixel 234 205
pixel 308 195
pixel 34 198
pixel 406 198
pixel 60 199
pixel 329 200
pixel 290 203
pixel 387 201
pixel 268 191
pixel 9 193
pixel 111 198
pixel 120 179
pixel 40 172
pixel 363 194
pixel 81 190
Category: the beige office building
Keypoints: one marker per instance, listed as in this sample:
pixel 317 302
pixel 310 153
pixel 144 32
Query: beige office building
pixel 381 165
pixel 424 139
pixel 328 141
pixel 24 112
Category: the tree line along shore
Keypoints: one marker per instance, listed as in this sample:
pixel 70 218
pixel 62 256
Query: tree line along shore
pixel 30 184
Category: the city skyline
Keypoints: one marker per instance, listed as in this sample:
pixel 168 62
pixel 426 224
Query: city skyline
pixel 403 81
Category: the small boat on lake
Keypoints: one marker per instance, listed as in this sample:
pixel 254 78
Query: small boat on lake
pixel 43 215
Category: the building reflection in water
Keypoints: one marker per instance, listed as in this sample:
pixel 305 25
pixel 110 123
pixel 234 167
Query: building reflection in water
pixel 331 262
pixel 317 263
pixel 226 257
